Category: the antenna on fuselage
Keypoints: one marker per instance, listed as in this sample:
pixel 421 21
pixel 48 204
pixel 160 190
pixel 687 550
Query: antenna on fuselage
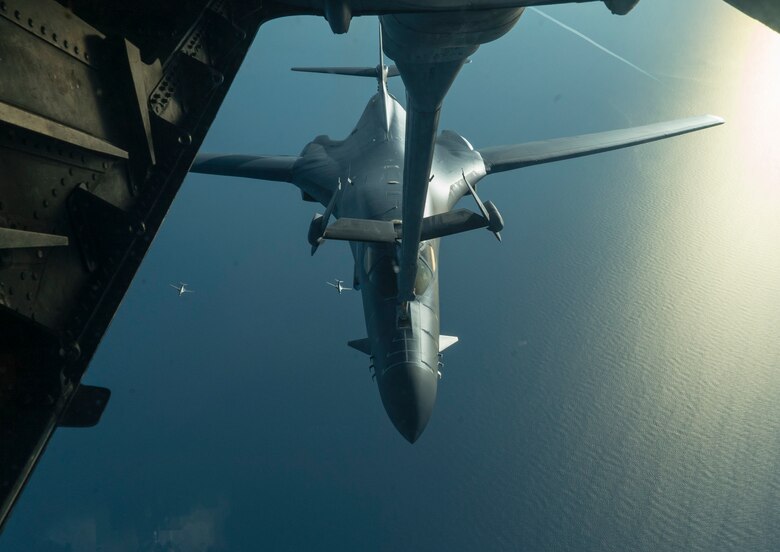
pixel 382 70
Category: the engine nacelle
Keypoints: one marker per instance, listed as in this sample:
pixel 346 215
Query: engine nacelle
pixel 339 15
pixel 495 220
pixel 315 231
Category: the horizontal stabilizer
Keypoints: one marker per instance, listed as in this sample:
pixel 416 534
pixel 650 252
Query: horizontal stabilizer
pixel 362 230
pixel 362 345
pixel 451 222
pixel 446 340
pixel 267 167
pixel 385 231
pixel 507 158
pixel 373 72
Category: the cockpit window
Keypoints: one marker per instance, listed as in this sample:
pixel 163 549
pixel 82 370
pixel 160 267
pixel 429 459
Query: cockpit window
pixel 426 267
pixel 379 266
pixel 428 255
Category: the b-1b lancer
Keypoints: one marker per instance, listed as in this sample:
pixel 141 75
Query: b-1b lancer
pixel 181 288
pixel 339 285
pixel 365 180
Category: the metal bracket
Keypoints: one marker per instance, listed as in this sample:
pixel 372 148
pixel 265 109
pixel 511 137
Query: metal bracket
pixel 17 239
pixel 403 316
pixel 488 210
pixel 319 223
pixel 101 228
pixel 86 407
pixel 46 127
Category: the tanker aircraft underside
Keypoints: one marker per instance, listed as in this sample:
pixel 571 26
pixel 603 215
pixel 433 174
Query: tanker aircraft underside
pixel 359 180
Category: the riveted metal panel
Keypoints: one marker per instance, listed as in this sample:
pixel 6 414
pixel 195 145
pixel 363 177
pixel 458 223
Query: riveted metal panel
pixel 103 105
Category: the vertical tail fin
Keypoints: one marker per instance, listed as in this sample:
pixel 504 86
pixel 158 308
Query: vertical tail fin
pixel 383 71
pixel 381 68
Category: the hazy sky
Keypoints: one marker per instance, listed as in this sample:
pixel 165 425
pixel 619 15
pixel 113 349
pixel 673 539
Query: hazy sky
pixel 239 418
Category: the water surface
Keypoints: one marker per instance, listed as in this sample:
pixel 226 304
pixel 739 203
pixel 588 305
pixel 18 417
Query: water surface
pixel 616 385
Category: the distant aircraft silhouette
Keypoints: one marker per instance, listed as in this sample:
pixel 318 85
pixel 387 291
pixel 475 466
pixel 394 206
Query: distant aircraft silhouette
pixel 181 288
pixel 339 285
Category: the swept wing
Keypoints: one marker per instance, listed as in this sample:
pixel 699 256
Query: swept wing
pixel 507 158
pixel 266 167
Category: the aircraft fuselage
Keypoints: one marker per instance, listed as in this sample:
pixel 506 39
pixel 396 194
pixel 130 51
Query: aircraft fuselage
pixel 404 350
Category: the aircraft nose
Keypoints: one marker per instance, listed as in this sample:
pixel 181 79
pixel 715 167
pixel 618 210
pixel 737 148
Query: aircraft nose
pixel 408 392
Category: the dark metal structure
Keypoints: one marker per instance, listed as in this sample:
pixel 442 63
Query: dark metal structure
pixel 766 11
pixel 103 105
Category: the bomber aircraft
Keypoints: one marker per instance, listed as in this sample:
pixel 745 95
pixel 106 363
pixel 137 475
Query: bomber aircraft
pixel 393 186
pixel 70 112
pixel 181 288
pixel 339 285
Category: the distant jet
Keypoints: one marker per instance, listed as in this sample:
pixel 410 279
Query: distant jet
pixel 339 285
pixel 393 185
pixel 181 288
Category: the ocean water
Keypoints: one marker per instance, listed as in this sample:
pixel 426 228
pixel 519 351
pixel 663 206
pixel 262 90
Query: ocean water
pixel 617 382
